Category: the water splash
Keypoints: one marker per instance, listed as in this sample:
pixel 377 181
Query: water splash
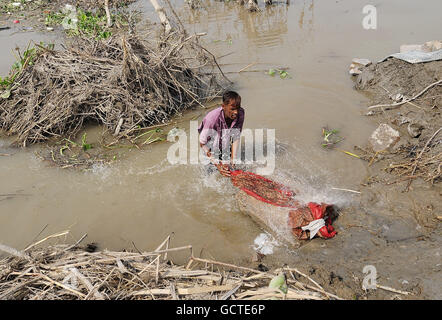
pixel 265 243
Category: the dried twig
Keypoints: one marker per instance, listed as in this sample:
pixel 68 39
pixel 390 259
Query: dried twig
pixel 47 238
pixel 60 273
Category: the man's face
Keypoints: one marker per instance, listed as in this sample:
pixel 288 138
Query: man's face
pixel 231 109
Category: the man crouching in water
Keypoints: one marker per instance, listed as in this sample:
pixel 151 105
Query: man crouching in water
pixel 220 132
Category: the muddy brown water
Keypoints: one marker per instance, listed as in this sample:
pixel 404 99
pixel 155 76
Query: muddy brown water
pixel 141 198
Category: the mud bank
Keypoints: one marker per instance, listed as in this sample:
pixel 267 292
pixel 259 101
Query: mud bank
pixel 397 226
pixel 407 97
pixel 394 225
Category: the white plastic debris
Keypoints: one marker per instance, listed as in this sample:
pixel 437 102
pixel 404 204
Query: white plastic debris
pixel 264 244
pixel 384 137
pixel 357 64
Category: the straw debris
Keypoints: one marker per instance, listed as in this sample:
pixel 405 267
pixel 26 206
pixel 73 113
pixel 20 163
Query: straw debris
pixel 124 83
pixel 59 272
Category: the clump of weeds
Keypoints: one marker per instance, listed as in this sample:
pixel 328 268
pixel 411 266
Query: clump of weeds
pixel 23 60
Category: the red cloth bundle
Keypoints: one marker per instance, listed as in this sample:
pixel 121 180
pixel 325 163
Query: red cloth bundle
pixel 302 216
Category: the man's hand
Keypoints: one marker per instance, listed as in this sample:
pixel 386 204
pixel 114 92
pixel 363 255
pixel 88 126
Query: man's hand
pixel 223 169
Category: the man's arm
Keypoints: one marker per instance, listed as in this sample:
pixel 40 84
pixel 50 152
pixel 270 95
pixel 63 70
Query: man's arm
pixel 237 139
pixel 235 145
pixel 223 169
pixel 207 152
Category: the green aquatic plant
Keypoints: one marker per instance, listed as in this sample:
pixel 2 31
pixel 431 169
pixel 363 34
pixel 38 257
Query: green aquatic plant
pixel 330 137
pixel 84 145
pixel 88 24
pixel 54 18
pixel 283 74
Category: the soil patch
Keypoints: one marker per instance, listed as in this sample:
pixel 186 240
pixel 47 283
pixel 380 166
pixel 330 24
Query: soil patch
pixel 394 82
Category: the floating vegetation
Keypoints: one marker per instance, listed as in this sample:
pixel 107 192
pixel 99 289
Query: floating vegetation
pixel 330 137
pixel 283 74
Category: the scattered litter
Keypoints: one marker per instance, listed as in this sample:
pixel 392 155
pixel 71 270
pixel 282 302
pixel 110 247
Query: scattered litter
pixel 311 220
pixel 357 64
pixel 429 46
pixel 264 244
pixel 417 56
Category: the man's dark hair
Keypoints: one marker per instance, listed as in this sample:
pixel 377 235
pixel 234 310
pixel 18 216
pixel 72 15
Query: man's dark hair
pixel 231 95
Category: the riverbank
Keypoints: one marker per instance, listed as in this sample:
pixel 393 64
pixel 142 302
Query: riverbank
pixel 137 198
pixel 65 272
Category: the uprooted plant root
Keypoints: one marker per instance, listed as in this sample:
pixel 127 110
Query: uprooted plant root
pixel 123 83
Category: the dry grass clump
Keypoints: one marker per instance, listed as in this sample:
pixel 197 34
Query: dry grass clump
pixel 124 83
pixel 61 272
pixel 426 165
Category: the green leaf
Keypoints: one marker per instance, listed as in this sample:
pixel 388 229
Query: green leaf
pixel 272 72
pixel 86 146
pixel 279 282
pixel 283 74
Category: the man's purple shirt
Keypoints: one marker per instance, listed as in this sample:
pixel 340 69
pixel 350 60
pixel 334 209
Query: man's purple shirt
pixel 215 120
